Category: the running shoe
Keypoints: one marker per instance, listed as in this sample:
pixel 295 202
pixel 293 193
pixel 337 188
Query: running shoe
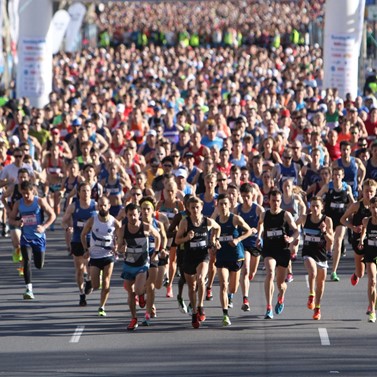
pixel 194 321
pixel 201 315
pixel 154 312
pixel 279 307
pixel 133 325
pixel 181 305
pixel 88 287
pixel 101 312
pixel 289 278
pixel 169 291
pixel 82 301
pixel 142 301
pixel 209 296
pixel 189 309
pixel 334 277
pixel 310 303
pixel 146 320
pixel 226 320
pixel 317 314
pixel 16 255
pixel 20 271
pixel 269 314
pixel 372 317
pixel 354 279
pixel 246 305
pixel 166 282
pixel 28 295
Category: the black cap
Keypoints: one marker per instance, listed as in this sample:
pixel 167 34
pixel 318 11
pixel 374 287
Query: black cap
pixel 188 154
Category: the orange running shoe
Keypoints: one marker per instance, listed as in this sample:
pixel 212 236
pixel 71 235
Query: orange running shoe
pixel 310 303
pixel 317 314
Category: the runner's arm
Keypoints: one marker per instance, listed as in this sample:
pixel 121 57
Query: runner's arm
pixel 49 211
pixel 182 229
pixel 87 227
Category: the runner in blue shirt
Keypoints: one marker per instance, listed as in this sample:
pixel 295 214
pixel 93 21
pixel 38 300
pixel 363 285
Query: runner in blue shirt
pixel 28 213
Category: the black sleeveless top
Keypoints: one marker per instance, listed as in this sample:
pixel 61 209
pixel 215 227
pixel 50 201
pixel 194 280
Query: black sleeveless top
pixel 198 245
pixel 275 228
pixel 358 219
pixel 370 243
pixel 314 240
pixel 137 247
pixel 336 203
pixel 16 195
pixel 360 214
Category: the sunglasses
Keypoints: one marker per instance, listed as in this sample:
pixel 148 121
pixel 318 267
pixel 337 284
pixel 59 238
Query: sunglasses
pixel 18 156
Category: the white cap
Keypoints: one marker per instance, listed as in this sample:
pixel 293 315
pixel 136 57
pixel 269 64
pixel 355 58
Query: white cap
pixel 181 172
pixel 14 140
pixel 323 107
pixel 120 108
pixel 235 100
pixel 152 132
pixel 339 101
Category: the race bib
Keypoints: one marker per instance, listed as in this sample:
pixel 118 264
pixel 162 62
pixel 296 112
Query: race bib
pixel 29 220
pixel 312 239
pixel 372 242
pixel 336 205
pixel 225 238
pixel 274 233
pixel 103 243
pixel 198 244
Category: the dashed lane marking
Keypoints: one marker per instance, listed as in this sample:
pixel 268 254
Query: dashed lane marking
pixel 77 334
pixel 325 341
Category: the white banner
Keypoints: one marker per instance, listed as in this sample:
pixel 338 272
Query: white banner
pixel 14 26
pixel 341 61
pixel 1 39
pixel 36 75
pixel 360 12
pixel 77 12
pixel 342 41
pixel 58 27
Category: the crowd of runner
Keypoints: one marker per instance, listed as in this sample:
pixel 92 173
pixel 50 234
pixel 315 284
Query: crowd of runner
pixel 193 162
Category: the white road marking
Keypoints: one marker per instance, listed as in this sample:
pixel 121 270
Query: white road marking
pixel 325 341
pixel 76 336
pixel 307 281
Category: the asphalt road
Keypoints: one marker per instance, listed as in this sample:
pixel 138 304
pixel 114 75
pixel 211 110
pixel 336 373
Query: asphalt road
pixel 53 336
